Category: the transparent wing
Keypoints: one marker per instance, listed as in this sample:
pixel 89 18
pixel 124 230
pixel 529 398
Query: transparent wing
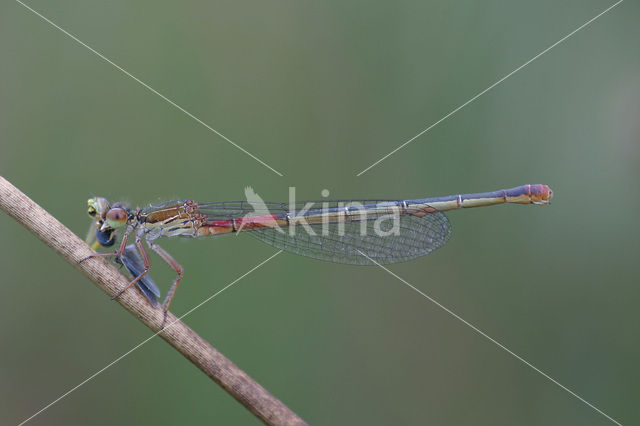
pixel 383 240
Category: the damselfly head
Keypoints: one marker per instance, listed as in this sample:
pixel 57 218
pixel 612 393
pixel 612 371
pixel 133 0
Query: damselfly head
pixel 98 206
pixel 116 217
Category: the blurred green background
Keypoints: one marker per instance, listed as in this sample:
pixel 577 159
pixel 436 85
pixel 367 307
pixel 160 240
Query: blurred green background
pixel 319 91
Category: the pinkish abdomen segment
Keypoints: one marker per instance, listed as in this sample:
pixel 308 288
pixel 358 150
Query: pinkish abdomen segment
pixel 226 226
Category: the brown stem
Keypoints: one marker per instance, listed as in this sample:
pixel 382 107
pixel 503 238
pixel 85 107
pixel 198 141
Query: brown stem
pixel 197 350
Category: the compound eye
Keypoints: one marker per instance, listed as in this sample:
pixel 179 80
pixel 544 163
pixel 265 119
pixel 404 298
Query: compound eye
pixel 92 211
pixel 116 217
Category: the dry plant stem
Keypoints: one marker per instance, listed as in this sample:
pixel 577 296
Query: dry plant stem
pixel 215 365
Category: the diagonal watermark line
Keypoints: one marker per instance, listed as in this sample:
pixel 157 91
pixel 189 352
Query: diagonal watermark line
pixel 490 87
pixel 146 340
pixel 494 341
pixel 146 86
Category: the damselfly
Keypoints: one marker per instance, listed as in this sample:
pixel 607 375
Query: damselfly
pixel 362 232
